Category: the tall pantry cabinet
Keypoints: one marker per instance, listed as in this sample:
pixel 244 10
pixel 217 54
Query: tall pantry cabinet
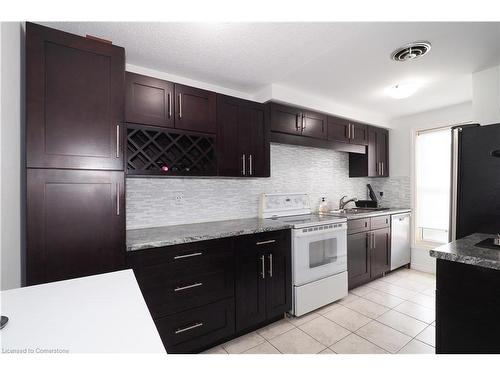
pixel 75 218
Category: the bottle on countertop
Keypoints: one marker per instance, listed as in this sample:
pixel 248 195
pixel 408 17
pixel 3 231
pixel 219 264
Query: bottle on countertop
pixel 323 206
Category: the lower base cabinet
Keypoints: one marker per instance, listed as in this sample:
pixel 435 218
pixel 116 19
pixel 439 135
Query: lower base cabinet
pixel 190 330
pixel 368 249
pixel 204 293
pixel 263 278
pixel 467 308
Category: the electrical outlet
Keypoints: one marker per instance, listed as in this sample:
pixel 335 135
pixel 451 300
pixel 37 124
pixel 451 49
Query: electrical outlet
pixel 178 196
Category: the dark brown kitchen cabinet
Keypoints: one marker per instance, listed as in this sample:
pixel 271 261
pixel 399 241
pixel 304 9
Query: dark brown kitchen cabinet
pixel 314 125
pixel 195 109
pixel 342 130
pixel 296 121
pixel 338 129
pixel 368 249
pixel 263 288
pixel 358 259
pixel 148 100
pixel 359 133
pixel 75 224
pixel 380 252
pixel 74 101
pixel 242 138
pixel 375 163
pixel 206 292
pixel 156 102
pixel 285 119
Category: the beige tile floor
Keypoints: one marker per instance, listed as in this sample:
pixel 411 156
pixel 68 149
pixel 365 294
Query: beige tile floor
pixel 394 314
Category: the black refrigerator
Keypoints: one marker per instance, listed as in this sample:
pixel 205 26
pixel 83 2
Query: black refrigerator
pixel 475 185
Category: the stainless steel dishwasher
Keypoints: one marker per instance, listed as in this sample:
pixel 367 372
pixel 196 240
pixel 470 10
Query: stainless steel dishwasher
pixel 400 240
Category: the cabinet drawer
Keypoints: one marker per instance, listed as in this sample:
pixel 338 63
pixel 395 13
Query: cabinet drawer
pixel 265 240
pixel 169 294
pixel 197 328
pixel 379 222
pixel 358 225
pixel 184 255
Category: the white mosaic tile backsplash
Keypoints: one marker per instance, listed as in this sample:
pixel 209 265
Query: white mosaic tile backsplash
pixel 155 202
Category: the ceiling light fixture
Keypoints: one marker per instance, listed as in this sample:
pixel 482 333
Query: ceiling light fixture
pixel 403 90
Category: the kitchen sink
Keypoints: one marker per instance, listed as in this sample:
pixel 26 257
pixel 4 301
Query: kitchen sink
pixel 358 210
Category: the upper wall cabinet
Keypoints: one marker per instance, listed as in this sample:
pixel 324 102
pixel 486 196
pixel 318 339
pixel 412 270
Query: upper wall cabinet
pixel 195 109
pixel 343 130
pixel 295 121
pixel 242 138
pixel 375 163
pixel 74 101
pixel 149 100
pixel 152 101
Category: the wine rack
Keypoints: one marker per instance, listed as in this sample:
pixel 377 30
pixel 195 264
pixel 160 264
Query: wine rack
pixel 168 152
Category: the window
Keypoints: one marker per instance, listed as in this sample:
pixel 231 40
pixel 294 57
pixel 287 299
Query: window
pixel 433 178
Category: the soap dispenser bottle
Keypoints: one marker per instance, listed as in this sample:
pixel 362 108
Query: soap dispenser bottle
pixel 323 206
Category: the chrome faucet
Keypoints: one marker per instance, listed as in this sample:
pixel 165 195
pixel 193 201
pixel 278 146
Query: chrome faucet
pixel 343 203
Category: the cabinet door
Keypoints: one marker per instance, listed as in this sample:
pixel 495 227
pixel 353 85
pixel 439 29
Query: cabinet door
pixel 380 252
pixel 149 100
pixel 229 153
pixel 359 134
pixel 75 224
pixel 250 285
pixel 278 277
pixel 383 152
pixel 74 101
pixel 286 119
pixel 338 129
pixel 358 259
pixel 314 125
pixel 372 153
pixel 254 134
pixel 195 109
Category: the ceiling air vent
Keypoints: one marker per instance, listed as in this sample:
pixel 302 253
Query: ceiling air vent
pixel 411 51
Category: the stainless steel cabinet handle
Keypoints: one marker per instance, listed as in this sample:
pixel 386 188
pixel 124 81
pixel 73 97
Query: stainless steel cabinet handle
pixel 265 242
pixel 349 131
pixel 117 141
pixel 263 264
pixel 303 122
pixel 244 172
pixel 179 288
pixel 297 122
pixel 382 168
pixel 368 240
pixel 180 105
pixel 187 255
pixel 169 105
pixel 180 330
pixel 352 131
pixel 117 199
pixel 250 164
pixel 270 256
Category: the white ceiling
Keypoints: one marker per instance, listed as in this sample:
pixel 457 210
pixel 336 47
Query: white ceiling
pixel 346 63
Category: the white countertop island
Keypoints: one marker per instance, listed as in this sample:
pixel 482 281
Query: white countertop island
pixel 97 314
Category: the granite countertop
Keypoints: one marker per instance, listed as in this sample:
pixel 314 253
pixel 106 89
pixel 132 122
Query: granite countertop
pixel 465 251
pixel 361 215
pixel 147 238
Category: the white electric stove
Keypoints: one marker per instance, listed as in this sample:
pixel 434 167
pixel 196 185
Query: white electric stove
pixel 319 250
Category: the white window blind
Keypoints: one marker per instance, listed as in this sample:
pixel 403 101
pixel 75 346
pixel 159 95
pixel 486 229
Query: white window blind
pixel 433 168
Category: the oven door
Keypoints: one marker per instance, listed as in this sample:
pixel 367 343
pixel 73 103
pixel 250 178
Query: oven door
pixel 319 252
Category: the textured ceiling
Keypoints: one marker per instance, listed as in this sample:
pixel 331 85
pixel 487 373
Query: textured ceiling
pixel 347 63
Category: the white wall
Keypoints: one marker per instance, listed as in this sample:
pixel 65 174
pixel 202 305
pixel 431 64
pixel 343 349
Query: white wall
pixel 486 96
pixel 402 152
pixel 11 119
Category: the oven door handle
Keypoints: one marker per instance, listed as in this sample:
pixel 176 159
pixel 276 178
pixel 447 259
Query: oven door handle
pixel 326 233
